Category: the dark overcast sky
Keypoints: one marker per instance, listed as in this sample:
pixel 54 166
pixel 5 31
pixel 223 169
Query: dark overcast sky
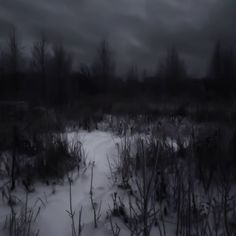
pixel 139 31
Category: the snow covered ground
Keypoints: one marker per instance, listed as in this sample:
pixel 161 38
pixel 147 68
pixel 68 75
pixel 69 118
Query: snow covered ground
pixel 99 146
pixel 53 218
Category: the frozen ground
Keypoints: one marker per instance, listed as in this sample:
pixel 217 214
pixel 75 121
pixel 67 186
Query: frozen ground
pixel 99 146
pixel 53 218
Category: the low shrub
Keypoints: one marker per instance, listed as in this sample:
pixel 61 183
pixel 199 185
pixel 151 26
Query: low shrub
pixel 58 157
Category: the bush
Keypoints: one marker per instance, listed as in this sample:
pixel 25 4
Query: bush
pixel 59 157
pixel 54 157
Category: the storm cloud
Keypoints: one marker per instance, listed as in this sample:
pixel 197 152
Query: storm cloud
pixel 139 31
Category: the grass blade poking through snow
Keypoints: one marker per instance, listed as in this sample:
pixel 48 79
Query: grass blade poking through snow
pixel 71 213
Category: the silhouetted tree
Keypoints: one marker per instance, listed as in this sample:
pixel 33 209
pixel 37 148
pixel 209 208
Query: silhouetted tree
pixel 144 75
pixel 61 62
pixel 132 73
pixel 14 60
pixel 222 64
pixel 39 63
pixel 104 66
pixel 230 64
pixel 132 81
pixel 171 73
pixel 2 74
pixel 173 68
pixel 85 79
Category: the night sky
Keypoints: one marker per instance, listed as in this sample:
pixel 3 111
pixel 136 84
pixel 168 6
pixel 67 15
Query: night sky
pixel 139 31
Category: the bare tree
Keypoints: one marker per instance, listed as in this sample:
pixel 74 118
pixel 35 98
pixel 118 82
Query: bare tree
pixel 14 57
pixel 40 57
pixel 104 65
pixel 132 73
pixel 2 72
pixel 222 64
pixel 61 62
pixel 173 68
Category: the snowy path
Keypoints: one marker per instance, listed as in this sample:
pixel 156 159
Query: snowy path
pixel 54 220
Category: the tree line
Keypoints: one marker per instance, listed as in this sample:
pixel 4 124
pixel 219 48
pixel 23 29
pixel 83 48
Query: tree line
pixel 47 76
